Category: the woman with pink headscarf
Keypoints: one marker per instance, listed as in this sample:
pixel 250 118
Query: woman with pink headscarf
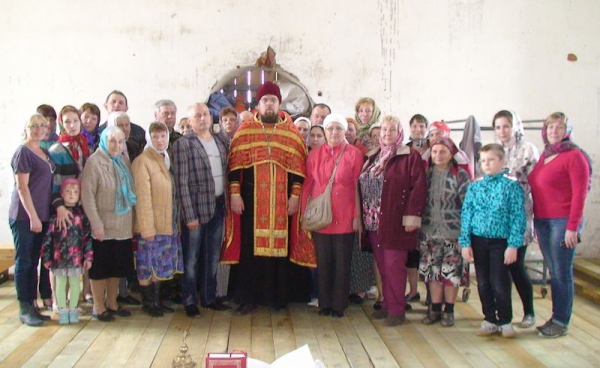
pixel 394 189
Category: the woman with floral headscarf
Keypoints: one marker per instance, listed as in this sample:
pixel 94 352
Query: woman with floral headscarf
pixel 108 198
pixel 439 129
pixel 367 114
pixel 521 157
pixel 394 189
pixel 159 254
pixel 560 182
pixel 442 264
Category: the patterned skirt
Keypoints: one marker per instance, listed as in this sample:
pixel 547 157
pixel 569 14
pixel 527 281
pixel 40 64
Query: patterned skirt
pixel 161 257
pixel 361 269
pixel 441 261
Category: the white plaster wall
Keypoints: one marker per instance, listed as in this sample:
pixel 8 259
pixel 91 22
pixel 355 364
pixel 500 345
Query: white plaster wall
pixel 446 59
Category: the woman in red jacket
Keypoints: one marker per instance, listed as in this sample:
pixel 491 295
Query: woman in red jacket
pixel 334 242
pixel 394 189
pixel 559 185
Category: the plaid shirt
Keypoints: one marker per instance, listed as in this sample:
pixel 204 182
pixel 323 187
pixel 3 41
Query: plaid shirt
pixel 193 176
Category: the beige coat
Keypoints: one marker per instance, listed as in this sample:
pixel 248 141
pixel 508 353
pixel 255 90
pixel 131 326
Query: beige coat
pixel 154 190
pixel 98 189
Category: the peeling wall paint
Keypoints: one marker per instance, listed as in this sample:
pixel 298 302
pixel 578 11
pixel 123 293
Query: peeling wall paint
pixel 444 59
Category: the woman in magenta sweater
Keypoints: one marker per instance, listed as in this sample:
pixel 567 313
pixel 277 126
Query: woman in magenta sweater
pixel 334 242
pixel 559 185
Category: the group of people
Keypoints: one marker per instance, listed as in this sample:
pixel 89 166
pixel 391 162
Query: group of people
pixel 94 200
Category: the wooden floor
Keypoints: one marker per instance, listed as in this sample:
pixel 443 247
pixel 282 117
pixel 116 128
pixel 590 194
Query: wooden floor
pixel 352 341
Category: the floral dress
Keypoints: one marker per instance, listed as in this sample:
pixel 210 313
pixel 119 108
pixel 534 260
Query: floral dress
pixel 68 248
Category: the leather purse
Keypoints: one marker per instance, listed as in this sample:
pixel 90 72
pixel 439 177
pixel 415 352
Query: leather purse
pixel 318 213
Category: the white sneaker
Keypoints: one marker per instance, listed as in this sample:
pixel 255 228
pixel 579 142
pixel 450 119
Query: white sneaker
pixel 487 329
pixel 314 302
pixel 507 331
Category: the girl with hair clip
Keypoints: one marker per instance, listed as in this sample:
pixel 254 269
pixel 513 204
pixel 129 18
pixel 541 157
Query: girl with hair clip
pixel 521 157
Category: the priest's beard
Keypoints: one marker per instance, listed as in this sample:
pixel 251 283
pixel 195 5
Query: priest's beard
pixel 270 118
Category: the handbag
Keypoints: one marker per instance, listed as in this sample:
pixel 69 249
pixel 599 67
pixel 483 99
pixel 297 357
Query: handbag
pixel 318 213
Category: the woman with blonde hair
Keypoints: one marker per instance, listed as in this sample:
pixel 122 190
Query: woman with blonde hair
pixel 560 182
pixel 393 189
pixel 29 213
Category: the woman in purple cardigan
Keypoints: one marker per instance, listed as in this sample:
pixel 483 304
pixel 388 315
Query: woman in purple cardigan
pixel 393 186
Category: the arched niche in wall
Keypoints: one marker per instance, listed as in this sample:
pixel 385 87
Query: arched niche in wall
pixel 240 85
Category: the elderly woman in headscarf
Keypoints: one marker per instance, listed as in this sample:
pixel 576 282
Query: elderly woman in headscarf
pixel 560 182
pixel 159 254
pixel 132 147
pixel 334 242
pixel 107 192
pixel 394 189
pixel 442 264
pixel 439 129
pixel 521 157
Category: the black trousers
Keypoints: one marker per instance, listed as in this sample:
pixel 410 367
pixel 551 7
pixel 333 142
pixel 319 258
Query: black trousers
pixel 334 256
pixel 493 279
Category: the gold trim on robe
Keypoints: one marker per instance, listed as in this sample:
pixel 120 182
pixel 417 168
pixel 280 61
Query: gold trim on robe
pixel 273 152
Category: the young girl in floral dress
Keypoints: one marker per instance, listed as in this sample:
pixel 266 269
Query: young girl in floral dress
pixel 68 251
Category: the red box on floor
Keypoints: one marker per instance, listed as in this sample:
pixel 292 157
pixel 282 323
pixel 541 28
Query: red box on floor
pixel 235 359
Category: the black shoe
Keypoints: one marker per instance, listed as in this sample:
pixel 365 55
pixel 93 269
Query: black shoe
pixel 278 307
pixel 377 306
pixel 104 316
pixel 121 312
pixel 192 311
pixel 165 309
pixel 217 305
pixel 337 314
pixel 128 300
pixel 324 311
pixel 244 309
pixel 41 316
pixel 356 299
pixel 412 298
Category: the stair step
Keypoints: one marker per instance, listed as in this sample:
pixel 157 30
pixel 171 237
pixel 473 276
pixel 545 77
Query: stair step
pixel 588 269
pixel 587 290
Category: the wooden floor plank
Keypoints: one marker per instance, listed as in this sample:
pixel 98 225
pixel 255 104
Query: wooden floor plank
pixel 172 340
pixel 352 341
pixel 149 342
pixel 240 335
pixel 284 340
pixel 303 328
pixel 29 347
pixel 348 337
pixel 331 349
pixel 262 335
pixel 54 346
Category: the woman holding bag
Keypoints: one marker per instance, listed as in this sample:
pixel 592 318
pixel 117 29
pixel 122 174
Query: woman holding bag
pixel 334 241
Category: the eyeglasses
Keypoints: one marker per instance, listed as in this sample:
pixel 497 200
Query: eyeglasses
pixel 35 126
pixel 336 129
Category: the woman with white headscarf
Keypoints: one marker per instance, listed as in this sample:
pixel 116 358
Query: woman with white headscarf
pixel 303 124
pixel 132 148
pixel 520 159
pixel 159 254
pixel 334 242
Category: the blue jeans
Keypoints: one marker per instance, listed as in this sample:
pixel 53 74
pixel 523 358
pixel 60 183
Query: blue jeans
pixel 201 252
pixel 493 279
pixel 28 246
pixel 559 259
